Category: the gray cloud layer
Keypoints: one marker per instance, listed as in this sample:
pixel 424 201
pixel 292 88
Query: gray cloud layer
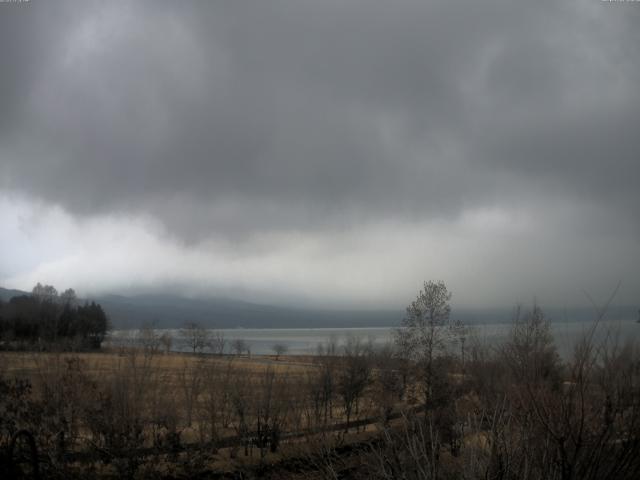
pixel 231 120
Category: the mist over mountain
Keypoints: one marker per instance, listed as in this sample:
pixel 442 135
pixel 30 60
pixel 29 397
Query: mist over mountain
pixel 172 311
pixel 6 294
pixel 167 310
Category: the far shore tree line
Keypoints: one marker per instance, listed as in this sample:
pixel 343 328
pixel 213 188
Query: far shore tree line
pixel 47 319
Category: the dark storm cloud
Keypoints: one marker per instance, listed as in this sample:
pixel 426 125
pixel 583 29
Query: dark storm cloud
pixel 230 118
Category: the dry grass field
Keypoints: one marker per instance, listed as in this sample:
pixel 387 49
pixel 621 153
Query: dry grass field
pixel 97 364
pixel 247 412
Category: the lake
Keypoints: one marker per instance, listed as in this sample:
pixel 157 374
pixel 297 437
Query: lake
pixel 306 340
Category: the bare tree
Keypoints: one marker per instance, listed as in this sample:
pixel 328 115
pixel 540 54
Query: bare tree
pixel 191 380
pixel 218 342
pixel 195 336
pixel 216 398
pixel 279 349
pixel 389 382
pixel 410 451
pixel 239 346
pixel 427 331
pixel 354 376
pixel 270 409
pixel 588 426
pixel 320 388
pixel 241 391
pixel 166 340
pixel 313 406
pixel 118 414
pixel 530 351
pixel 329 348
pixel 147 338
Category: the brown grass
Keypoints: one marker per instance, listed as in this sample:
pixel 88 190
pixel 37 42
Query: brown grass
pixel 28 364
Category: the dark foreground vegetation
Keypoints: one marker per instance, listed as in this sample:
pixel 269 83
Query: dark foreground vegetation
pixel 437 404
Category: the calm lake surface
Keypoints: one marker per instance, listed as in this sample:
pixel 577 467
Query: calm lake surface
pixel 306 340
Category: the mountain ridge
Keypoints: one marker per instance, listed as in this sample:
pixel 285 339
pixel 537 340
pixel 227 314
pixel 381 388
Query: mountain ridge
pixel 172 311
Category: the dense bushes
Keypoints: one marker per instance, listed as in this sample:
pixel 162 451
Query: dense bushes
pixel 519 412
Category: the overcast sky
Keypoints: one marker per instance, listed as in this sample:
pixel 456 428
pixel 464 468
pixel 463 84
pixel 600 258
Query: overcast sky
pixel 326 153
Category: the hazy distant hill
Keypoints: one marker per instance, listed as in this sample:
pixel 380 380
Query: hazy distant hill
pixel 173 311
pixel 6 294
pixel 170 311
